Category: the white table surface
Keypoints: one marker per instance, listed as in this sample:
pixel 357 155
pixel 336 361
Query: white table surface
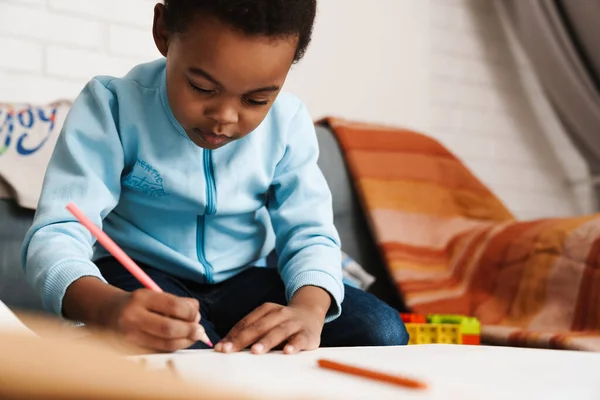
pixel 452 372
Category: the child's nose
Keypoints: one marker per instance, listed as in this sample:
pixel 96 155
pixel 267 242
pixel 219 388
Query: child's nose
pixel 222 114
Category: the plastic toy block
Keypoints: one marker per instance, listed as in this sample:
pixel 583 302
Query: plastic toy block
pixel 442 328
pixel 413 318
pixel 471 339
pixel 449 334
pixel 468 325
pixel 412 333
pixel 433 333
pixel 419 333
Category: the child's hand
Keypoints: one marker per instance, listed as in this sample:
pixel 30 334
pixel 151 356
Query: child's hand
pixel 298 325
pixel 159 321
pixel 271 325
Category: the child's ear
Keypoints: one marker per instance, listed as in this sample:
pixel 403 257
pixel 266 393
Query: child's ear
pixel 159 29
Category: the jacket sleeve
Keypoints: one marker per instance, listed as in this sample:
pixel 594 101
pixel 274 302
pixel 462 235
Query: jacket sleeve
pixel 85 168
pixel 300 206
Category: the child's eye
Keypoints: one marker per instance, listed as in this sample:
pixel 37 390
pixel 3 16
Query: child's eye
pixel 201 90
pixel 256 102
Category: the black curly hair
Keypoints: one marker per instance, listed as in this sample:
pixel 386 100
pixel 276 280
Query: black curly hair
pixel 277 18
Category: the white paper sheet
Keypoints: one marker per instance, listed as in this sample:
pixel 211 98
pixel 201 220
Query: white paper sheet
pixel 453 372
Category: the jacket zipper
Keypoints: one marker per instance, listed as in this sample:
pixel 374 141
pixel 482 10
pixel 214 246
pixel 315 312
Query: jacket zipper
pixel 211 190
pixel 210 209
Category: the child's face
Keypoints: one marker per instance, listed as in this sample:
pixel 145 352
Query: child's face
pixel 220 82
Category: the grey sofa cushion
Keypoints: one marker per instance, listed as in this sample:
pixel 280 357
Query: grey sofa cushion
pixel 350 221
pixel 14 291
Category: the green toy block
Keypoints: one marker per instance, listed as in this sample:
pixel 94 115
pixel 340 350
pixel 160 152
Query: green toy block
pixel 468 325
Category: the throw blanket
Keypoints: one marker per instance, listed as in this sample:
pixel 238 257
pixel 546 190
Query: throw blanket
pixel 27 137
pixel 451 246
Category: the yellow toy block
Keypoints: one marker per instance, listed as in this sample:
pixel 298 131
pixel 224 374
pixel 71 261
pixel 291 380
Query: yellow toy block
pixel 413 332
pixel 433 333
pixel 449 334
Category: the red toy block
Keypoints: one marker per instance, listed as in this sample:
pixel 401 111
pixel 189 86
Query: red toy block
pixel 471 339
pixel 413 318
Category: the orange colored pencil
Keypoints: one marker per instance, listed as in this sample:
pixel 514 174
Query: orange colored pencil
pixel 366 373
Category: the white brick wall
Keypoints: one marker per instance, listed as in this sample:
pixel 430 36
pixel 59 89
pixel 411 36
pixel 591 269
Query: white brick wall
pixel 51 48
pixel 470 94
pixel 24 55
pixel 34 22
pixel 480 109
pixel 71 63
pixel 137 13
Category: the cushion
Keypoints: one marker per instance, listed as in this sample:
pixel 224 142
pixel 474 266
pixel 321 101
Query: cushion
pixel 14 290
pixel 29 134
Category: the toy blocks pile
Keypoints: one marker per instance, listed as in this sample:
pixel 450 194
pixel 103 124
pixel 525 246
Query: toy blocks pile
pixel 446 329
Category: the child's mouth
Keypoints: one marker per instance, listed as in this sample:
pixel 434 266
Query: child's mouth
pixel 211 138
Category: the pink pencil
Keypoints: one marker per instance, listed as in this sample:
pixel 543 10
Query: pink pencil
pixel 118 253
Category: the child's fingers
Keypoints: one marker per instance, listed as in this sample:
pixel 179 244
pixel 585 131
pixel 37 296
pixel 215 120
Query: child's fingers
pixel 253 333
pixel 247 328
pixel 146 340
pixel 276 336
pixel 298 343
pixel 195 305
pixel 167 328
pixel 168 304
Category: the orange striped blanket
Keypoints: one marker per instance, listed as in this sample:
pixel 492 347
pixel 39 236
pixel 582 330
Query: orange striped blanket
pixel 451 246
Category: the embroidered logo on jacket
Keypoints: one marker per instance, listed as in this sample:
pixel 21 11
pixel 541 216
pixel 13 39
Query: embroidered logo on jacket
pixel 146 179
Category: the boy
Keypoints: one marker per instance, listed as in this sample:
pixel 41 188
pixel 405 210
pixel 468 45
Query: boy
pixel 207 176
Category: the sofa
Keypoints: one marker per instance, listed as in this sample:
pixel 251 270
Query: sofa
pixel 349 219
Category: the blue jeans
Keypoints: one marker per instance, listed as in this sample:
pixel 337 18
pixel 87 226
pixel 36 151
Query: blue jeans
pixel 365 320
